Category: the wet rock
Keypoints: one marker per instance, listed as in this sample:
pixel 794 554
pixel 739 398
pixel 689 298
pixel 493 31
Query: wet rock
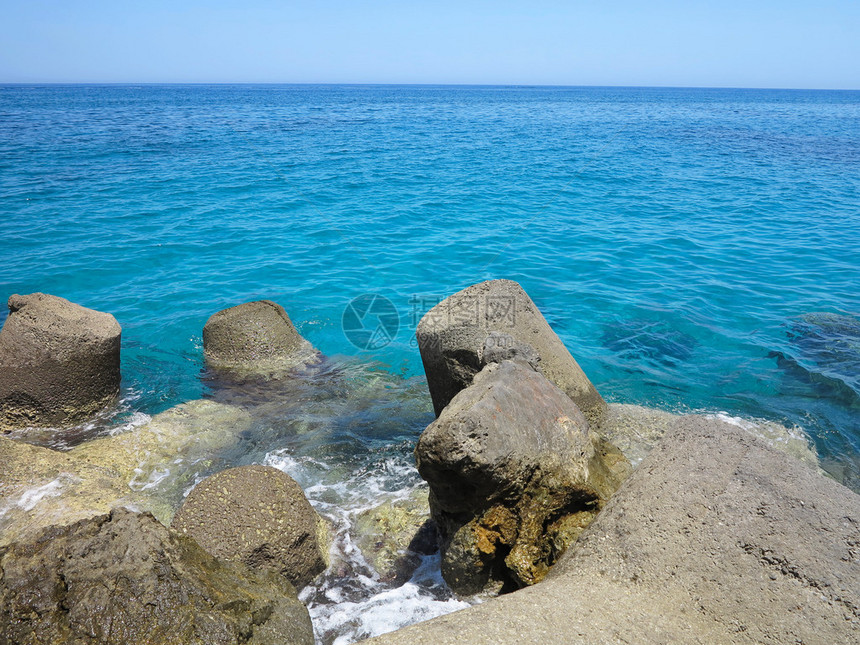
pixel 254 337
pixel 259 516
pixel 514 475
pixel 161 459
pixel 41 487
pixel 59 362
pixel 124 578
pixel 496 320
pixel 636 430
pixel 394 535
pixel 148 467
pixel 791 441
pixel 715 538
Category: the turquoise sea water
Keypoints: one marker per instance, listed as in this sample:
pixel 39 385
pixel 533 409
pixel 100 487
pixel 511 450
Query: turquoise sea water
pixel 696 249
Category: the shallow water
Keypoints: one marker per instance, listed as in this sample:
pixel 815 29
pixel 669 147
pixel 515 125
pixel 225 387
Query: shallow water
pixel 695 250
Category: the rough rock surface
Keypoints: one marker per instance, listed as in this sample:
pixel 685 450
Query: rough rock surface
pixel 715 538
pixel 636 430
pixel 259 516
pixel 491 321
pixel 393 535
pixel 514 477
pixel 254 336
pixel 124 578
pixel 59 362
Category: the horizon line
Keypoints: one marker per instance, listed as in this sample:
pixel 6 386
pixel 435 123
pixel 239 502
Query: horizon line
pixel 369 84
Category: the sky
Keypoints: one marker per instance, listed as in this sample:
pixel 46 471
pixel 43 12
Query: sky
pixel 728 43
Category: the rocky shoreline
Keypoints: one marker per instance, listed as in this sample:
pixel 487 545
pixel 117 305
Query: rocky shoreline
pixel 716 536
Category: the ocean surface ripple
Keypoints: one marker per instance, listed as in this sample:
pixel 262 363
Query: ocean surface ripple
pixel 696 249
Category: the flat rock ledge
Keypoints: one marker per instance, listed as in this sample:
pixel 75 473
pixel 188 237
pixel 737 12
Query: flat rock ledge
pixel 715 538
pixel 148 468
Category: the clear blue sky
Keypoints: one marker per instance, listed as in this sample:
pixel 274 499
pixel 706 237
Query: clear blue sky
pixel 734 43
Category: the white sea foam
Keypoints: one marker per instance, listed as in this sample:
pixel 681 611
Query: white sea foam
pixel 769 430
pixel 382 612
pixel 136 420
pixel 29 499
pixel 65 438
pixel 349 601
pixel 152 479
pixel 792 440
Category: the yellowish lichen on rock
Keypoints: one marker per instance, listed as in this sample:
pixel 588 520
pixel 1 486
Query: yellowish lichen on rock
pixel 384 533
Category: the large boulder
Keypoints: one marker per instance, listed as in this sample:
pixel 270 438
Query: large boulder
pixel 515 475
pixel 254 337
pixel 257 515
pixel 59 362
pixel 715 538
pixel 124 578
pixel 492 321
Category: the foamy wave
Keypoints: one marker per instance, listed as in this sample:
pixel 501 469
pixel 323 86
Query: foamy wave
pixel 349 601
pixel 30 498
pixel 305 470
pixel 136 420
pixel 153 479
pixel 792 440
pixel 382 612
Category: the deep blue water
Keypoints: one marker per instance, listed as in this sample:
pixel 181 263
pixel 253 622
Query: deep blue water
pixel 696 249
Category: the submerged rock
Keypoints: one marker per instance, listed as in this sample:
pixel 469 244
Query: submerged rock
pixel 124 578
pixel 147 467
pixel 715 538
pixel 40 487
pixel 59 362
pixel 394 535
pixel 822 359
pixel 254 337
pixel 257 515
pixel 638 340
pixel 491 321
pixel 514 476
pixel 161 459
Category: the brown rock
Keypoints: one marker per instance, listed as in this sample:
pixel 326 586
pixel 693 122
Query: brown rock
pixel 715 538
pixel 489 322
pixel 508 460
pixel 59 362
pixel 259 516
pixel 254 336
pixel 124 578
